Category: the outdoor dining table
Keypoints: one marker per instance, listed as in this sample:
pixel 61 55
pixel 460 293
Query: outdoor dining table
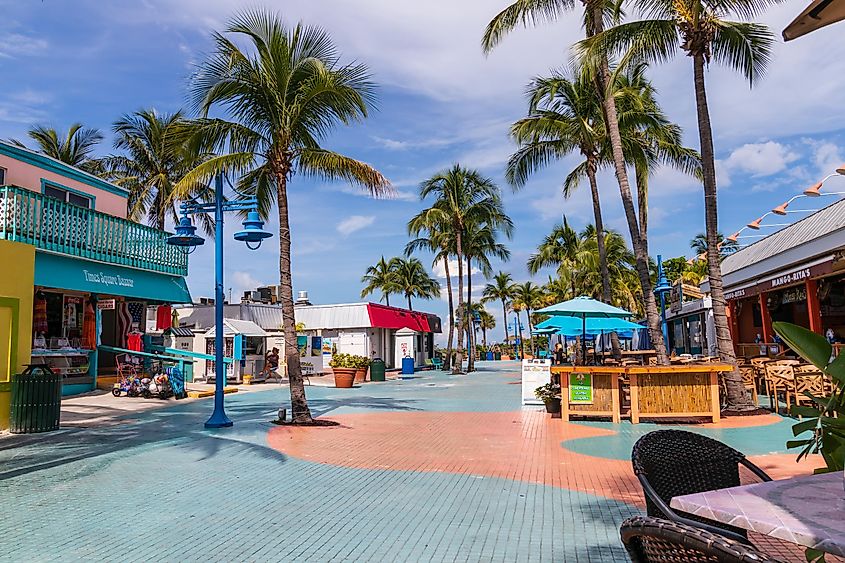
pixel 808 511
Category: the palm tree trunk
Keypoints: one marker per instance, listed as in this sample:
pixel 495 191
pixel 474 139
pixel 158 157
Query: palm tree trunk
pixel 505 319
pixel 447 363
pixel 484 337
pixel 594 191
pixel 299 404
pixel 459 355
pixel 409 302
pixel 640 252
pixel 530 330
pixel 737 396
pixel 641 177
pixel 387 299
pixel 471 325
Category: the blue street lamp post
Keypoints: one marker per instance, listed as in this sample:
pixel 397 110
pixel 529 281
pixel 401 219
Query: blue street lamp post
pixel 253 233
pixel 660 290
pixel 517 329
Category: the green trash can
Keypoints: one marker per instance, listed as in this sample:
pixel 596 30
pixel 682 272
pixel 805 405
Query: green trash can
pixel 36 400
pixel 377 370
pixel 498 355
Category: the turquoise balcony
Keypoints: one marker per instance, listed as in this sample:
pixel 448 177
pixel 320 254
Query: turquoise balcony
pixel 55 226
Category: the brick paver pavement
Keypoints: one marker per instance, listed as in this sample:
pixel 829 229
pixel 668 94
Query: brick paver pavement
pixel 437 468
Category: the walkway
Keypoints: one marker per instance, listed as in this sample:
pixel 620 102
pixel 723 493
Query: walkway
pixel 437 468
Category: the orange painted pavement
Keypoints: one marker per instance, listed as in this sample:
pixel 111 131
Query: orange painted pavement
pixel 522 446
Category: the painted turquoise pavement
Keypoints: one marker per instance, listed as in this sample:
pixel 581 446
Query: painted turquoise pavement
pixel 158 487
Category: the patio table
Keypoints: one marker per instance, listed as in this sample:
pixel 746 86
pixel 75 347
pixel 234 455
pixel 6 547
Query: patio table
pixel 808 511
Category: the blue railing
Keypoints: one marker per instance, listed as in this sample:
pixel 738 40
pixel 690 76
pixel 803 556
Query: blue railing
pixel 49 224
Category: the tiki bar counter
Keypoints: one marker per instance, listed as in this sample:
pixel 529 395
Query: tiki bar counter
pixel 689 391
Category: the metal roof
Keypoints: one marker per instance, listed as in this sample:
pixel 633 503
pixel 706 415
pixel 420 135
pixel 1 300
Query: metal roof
pixel 237 326
pixel 179 331
pixel 814 235
pixel 339 316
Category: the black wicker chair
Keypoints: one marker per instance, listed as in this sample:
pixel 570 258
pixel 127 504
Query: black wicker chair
pixel 671 463
pixel 652 540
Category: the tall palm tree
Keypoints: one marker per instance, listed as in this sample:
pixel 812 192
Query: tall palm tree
pixel 381 277
pixel 501 289
pixel 285 89
pixel 411 279
pixel 698 244
pixel 155 159
pixel 480 245
pixel 74 147
pixel 596 13
pixel 436 237
pixel 528 296
pixel 462 197
pixel 701 30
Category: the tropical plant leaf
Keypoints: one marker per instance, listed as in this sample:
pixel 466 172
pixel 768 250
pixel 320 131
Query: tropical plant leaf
pixel 809 345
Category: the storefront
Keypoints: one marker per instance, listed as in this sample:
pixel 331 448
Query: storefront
pixel 691 328
pixel 795 275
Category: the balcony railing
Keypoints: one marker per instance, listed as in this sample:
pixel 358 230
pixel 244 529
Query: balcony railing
pixel 56 226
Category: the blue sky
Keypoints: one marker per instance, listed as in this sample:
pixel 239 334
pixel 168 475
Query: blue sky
pixel 441 101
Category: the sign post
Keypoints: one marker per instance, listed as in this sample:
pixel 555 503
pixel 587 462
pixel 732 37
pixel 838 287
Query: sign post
pixel 535 373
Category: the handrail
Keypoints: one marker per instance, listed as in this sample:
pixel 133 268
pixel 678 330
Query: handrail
pixel 50 224
pixel 189 353
pixel 170 359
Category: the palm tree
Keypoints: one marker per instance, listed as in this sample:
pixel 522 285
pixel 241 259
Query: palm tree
pixel 436 237
pixel 725 246
pixel 411 279
pixel 74 148
pixel 701 29
pixel 462 197
pixel 381 277
pixel 156 159
pixel 488 322
pixel 562 249
pixel 501 289
pixel 286 89
pixel 528 296
pixel 479 245
pixel 596 12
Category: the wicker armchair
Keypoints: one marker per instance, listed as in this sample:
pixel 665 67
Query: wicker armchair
pixel 652 540
pixel 671 463
pixel 749 379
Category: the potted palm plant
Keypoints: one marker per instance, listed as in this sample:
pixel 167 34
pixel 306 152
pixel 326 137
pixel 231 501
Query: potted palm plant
pixel 549 394
pixel 362 364
pixel 344 367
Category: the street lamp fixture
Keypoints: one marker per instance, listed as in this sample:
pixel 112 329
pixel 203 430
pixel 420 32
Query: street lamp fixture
pixel 186 238
pixel 661 290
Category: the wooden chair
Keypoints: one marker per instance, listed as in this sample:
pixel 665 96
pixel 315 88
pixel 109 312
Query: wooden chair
pixel 759 365
pixel 809 378
pixel 749 379
pixel 780 378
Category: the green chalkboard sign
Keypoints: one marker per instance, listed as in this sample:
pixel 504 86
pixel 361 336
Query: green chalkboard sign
pixel 580 388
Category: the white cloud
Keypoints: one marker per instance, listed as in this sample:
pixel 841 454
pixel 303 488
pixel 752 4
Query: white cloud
pixel 14 44
pixel 439 270
pixel 760 159
pixel 243 281
pixel 355 223
pixel 828 157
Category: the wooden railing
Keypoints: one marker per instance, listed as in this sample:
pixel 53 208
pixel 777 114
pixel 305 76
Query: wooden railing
pixel 49 224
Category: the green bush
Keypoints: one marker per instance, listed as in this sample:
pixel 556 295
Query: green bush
pixel 547 392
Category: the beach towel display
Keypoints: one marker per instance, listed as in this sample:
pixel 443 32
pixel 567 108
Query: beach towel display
pixel 124 324
pixel 39 314
pixel 137 310
pixel 89 328
pixel 164 317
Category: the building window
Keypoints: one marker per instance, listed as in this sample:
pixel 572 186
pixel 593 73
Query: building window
pixel 62 194
pixel 2 176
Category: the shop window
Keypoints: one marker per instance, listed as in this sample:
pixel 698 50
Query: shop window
pixel 756 317
pixel 2 176
pixel 56 192
pixel 254 346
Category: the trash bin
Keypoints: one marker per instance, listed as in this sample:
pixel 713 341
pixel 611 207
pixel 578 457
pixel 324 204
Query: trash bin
pixel 498 355
pixel 36 400
pixel 407 366
pixel 489 356
pixel 377 370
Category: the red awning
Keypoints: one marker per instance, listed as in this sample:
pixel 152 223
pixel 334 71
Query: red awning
pixel 382 316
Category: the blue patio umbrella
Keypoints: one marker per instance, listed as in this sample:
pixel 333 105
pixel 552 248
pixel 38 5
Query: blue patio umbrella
pixel 585 308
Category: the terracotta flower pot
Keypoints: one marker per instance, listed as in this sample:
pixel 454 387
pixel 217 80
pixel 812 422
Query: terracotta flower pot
pixel 344 377
pixel 361 375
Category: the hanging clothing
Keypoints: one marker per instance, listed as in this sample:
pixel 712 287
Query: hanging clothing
pixel 99 327
pixel 164 319
pixel 137 310
pixel 134 342
pixel 39 314
pixel 89 328
pixel 174 319
pixel 124 324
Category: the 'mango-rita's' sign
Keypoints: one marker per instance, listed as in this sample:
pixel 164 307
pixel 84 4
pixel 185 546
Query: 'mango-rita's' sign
pixel 791 277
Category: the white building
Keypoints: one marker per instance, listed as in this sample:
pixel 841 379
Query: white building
pixel 364 329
